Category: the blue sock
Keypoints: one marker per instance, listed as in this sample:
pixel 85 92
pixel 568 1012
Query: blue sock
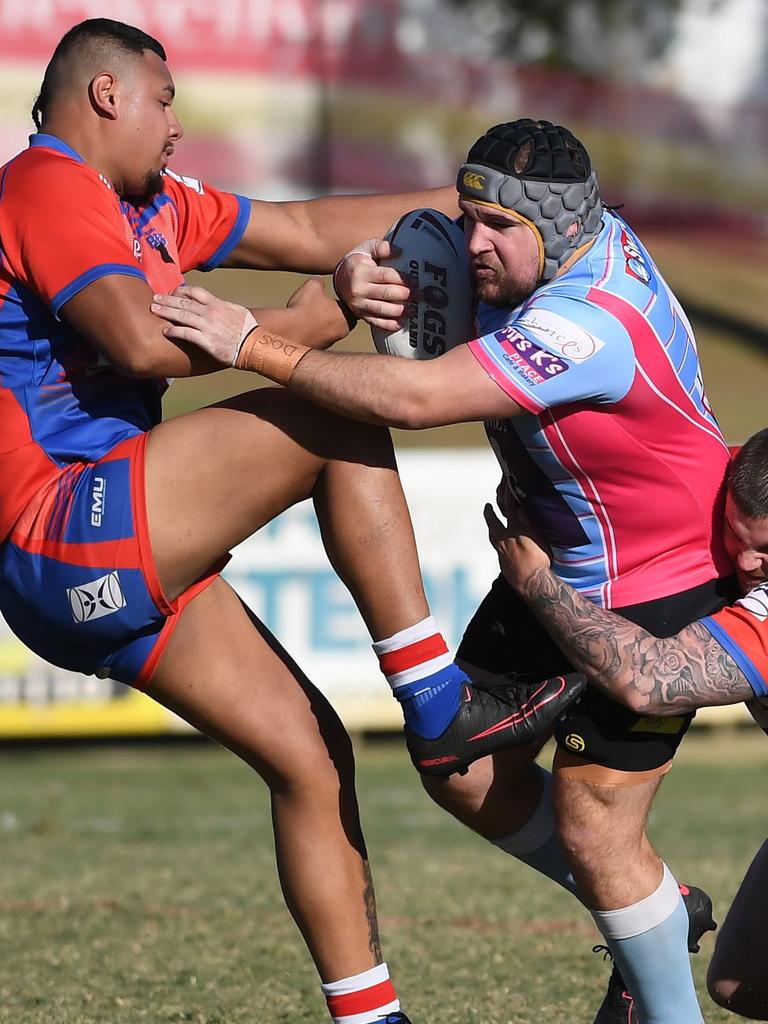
pixel 423 676
pixel 649 943
pixel 430 705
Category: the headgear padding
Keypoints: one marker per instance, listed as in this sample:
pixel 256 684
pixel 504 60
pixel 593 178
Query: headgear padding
pixel 541 172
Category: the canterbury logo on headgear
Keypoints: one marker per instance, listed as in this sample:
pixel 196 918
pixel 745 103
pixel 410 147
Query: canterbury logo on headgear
pixel 541 172
pixel 473 180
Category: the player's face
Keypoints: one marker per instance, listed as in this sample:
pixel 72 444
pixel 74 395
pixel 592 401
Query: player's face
pixel 148 126
pixel 503 254
pixel 746 541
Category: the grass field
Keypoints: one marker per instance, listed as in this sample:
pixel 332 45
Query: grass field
pixel 138 884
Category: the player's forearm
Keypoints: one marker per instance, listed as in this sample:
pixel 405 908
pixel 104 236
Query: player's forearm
pixel 377 389
pixel 338 223
pixel 651 676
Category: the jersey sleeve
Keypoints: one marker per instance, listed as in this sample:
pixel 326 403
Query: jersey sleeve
pixel 742 631
pixel 558 350
pixel 210 222
pixel 61 228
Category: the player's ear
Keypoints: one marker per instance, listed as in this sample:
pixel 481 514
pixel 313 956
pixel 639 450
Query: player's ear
pixel 102 93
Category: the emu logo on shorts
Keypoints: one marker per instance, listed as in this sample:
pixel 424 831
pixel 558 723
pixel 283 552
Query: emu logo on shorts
pixel 96 599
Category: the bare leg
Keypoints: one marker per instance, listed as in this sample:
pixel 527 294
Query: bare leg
pixel 217 475
pixel 213 477
pixel 497 795
pixel 737 978
pixel 602 829
pixel 226 675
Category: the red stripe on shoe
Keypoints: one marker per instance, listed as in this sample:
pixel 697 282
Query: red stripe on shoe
pixel 364 1001
pixel 530 707
pixel 413 654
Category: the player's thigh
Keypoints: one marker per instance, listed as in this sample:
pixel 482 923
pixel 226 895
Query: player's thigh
pixel 587 811
pixel 737 976
pixel 225 673
pixel 215 476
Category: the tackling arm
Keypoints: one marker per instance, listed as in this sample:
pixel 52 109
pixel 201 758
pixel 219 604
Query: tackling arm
pixel 649 675
pixel 311 236
pixel 407 393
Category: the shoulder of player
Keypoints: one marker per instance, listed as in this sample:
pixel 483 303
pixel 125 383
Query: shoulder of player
pixel 41 175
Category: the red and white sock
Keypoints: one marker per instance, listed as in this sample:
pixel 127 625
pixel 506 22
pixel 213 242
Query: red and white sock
pixel 365 998
pixel 415 653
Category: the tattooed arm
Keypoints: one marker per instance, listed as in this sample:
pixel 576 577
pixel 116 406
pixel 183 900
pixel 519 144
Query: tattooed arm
pixel 649 675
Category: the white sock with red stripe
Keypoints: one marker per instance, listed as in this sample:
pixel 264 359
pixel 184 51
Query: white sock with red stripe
pixel 365 998
pixel 423 676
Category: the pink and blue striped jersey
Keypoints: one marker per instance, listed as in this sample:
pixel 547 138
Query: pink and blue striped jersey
pixel 62 227
pixel 619 460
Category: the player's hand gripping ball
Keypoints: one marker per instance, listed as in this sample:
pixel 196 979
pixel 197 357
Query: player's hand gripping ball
pixel 433 259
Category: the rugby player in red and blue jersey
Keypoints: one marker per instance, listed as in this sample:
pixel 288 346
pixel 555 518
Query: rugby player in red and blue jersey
pixel 114 526
pixel 586 374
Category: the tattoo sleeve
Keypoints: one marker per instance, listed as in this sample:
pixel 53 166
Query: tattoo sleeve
pixel 651 676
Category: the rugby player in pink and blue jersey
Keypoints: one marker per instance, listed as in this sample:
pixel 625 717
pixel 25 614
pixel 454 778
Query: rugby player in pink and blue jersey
pixel 586 374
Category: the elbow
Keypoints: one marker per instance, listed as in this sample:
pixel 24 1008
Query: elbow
pixel 140 361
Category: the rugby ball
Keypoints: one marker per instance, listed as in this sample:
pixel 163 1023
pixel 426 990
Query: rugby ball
pixel 433 259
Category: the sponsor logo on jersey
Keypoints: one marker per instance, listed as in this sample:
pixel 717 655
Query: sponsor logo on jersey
pixel 560 334
pixel 756 602
pixel 532 363
pixel 473 180
pixel 194 183
pixel 137 250
pixel 98 497
pixel 634 262
pixel 96 599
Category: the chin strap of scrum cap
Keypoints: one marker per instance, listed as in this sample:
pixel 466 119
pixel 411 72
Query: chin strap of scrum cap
pixel 542 174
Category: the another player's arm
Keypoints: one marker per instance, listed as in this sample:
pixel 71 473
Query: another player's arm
pixel 406 393
pixel 113 314
pixel 310 236
pixel 651 676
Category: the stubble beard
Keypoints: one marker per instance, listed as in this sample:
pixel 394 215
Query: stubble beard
pixel 502 291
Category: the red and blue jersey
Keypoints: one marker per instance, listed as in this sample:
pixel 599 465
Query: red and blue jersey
pixel 742 630
pixel 619 460
pixel 62 227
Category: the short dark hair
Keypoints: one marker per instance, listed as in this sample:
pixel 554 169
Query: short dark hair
pixel 104 31
pixel 748 477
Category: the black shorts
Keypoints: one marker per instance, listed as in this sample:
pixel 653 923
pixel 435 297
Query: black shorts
pixel 504 637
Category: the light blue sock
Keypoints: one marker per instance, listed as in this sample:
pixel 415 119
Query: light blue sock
pixel 536 844
pixel 649 943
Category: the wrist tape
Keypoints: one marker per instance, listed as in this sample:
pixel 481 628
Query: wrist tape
pixel 269 354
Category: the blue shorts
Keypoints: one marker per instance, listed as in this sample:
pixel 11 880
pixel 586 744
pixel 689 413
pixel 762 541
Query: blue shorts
pixel 78 583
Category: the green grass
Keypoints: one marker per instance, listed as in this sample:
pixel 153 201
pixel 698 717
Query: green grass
pixel 138 884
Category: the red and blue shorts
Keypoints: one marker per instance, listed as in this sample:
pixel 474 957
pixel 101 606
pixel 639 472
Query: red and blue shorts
pixel 78 583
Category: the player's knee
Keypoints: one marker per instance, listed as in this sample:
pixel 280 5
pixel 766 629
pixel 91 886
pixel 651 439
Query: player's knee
pixel 314 768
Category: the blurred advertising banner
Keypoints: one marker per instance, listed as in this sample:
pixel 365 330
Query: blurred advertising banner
pixel 283 574
pixel 289 98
